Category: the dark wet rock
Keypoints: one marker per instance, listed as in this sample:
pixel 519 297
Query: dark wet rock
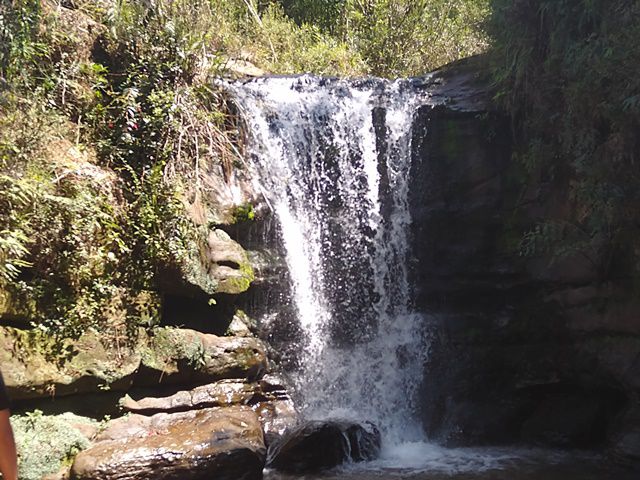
pixel 320 445
pixel 625 444
pixel 516 341
pixel 225 444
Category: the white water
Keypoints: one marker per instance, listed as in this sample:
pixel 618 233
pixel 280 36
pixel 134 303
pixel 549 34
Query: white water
pixel 336 172
pixel 338 182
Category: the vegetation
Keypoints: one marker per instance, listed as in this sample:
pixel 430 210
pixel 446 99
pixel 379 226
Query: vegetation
pixel 398 38
pixel 47 443
pixel 411 37
pixel 568 71
pixel 110 114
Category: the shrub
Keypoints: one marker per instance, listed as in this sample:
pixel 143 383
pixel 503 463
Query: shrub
pixel 47 443
pixel 412 37
pixel 568 71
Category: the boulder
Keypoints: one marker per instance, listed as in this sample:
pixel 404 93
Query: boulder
pixel 46 442
pixel 240 68
pixel 220 443
pixel 188 357
pixel 319 445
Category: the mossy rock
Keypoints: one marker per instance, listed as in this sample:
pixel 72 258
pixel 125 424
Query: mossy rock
pixel 16 308
pixel 229 264
pixel 35 366
pixel 46 443
pixel 188 357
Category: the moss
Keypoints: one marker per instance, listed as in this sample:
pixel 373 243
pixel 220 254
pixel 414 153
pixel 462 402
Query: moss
pixel 14 306
pixel 47 443
pixel 245 357
pixel 243 213
pixel 235 285
pixel 194 272
pixel 168 346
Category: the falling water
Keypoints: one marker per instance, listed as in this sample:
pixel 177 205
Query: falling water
pixel 333 159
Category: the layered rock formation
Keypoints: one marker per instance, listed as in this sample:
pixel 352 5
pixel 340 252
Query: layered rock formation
pixel 523 348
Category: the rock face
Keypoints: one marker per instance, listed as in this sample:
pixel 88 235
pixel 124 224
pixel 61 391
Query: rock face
pixel 29 373
pixel 169 356
pixel 320 445
pixel 625 443
pixel 523 349
pixel 225 444
pixel 267 398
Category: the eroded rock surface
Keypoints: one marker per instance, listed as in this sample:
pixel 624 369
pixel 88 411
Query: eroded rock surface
pixel 222 393
pixel 225 444
pixel 29 372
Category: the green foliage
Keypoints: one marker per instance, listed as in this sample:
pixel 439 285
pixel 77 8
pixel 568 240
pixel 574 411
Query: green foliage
pixel 412 37
pixel 62 238
pixel 19 47
pixel 84 229
pixel 15 196
pixel 244 213
pixel 46 443
pixel 288 48
pixel 398 37
pixel 326 14
pixel 569 72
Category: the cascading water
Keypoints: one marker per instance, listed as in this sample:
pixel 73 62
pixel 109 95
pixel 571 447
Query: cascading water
pixel 333 159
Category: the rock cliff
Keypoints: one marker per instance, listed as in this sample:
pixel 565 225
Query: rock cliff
pixel 523 348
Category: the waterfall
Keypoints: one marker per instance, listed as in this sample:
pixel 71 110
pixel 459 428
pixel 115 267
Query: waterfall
pixel 333 159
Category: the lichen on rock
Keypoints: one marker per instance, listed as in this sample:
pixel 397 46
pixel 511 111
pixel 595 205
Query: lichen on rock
pixel 48 442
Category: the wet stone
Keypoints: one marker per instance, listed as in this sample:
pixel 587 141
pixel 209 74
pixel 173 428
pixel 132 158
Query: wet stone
pixel 220 443
pixel 320 445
